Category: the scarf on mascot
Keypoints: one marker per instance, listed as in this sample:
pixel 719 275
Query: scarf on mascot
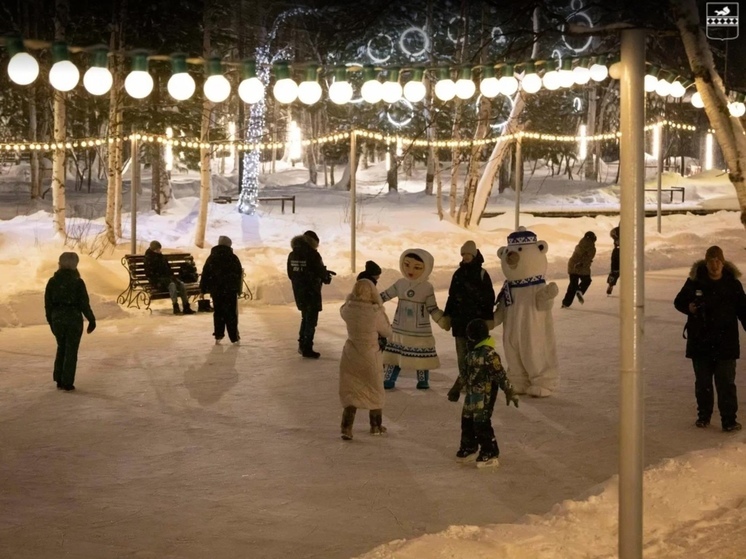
pixel 506 293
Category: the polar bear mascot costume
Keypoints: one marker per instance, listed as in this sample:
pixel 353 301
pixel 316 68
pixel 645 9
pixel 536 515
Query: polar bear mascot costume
pixel 524 308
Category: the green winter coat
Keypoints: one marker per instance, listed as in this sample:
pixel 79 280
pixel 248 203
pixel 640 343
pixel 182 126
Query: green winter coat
pixel 66 298
pixel 582 257
pixel 484 370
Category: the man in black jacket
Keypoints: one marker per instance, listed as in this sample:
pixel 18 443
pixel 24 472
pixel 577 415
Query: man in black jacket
pixel 307 273
pixel 222 277
pixel 160 276
pixel 714 302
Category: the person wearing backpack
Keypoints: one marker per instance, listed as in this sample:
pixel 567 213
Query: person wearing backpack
pixel 222 276
pixel 471 295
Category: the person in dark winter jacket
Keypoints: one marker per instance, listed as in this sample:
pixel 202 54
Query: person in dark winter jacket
pixel 160 276
pixel 470 296
pixel 483 375
pixel 579 268
pixel 372 272
pixel 307 273
pixel 714 301
pixel 614 272
pixel 222 278
pixel 65 304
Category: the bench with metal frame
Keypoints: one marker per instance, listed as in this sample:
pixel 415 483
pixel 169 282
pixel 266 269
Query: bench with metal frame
pixel 281 199
pixel 670 191
pixel 140 290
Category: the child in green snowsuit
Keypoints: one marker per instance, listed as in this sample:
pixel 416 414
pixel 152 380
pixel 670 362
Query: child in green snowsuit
pixel 483 376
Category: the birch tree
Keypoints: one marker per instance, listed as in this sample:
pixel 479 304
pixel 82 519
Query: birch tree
pixel 204 137
pixel 62 12
pixel 115 154
pixel 728 129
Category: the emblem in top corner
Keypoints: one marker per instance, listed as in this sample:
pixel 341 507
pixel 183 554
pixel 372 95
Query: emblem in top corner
pixel 722 20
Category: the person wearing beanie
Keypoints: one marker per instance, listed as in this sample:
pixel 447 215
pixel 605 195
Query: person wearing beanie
pixel 470 296
pixel 65 304
pixel 579 269
pixel 714 302
pixel 161 277
pixel 222 278
pixel 481 378
pixel 372 272
pixel 307 273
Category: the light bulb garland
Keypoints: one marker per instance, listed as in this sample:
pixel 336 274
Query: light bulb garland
pixel 23 69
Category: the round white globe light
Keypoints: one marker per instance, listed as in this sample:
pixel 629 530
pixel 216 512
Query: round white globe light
pixel 489 87
pixel 651 82
pixel 372 91
pixel 23 68
pixel 551 80
pixel 615 71
pixel 581 75
pixel 138 84
pixel 285 91
pixel 181 86
pixel 97 80
pixel 677 89
pixel 663 88
pixel 391 92
pixel 64 75
pixel 531 83
pixel 599 72
pixel 309 92
pixel 465 88
pixel 737 109
pixel 445 90
pixel 251 90
pixel 508 85
pixel 217 88
pixel 566 78
pixel 414 91
pixel 340 92
pixel 697 102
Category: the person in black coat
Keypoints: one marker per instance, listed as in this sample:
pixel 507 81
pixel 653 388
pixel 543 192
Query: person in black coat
pixel 160 276
pixel 222 276
pixel 614 272
pixel 65 304
pixel 470 296
pixel 307 273
pixel 714 301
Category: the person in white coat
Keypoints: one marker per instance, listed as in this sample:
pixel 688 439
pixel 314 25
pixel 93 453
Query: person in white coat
pixel 361 366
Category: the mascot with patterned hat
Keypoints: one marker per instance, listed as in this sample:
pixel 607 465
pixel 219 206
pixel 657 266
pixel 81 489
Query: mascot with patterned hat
pixel 524 308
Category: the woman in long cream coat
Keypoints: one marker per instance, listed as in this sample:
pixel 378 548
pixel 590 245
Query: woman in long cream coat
pixel 361 366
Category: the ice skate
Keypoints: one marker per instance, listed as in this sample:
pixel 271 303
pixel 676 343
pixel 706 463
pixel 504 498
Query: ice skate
pixel 464 456
pixel 579 295
pixel 487 462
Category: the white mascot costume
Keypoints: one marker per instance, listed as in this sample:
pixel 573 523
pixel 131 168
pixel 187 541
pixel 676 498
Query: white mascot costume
pixel 524 308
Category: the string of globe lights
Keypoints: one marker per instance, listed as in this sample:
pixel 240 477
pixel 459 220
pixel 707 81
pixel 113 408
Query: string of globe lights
pixel 23 69
pixel 328 138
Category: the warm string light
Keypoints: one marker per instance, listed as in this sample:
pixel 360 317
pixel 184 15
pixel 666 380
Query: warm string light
pixel 257 147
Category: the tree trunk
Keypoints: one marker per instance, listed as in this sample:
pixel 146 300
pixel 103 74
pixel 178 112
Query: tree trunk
pixel 428 115
pixel 484 114
pixel 114 146
pixel 62 12
pixel 502 149
pixel 590 165
pixel 204 137
pixel 392 174
pixel 728 130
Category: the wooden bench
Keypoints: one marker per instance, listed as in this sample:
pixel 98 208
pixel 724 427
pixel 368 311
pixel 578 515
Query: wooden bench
pixel 670 192
pixel 141 291
pixel 281 199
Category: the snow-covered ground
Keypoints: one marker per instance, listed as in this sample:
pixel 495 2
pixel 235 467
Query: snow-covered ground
pixel 173 447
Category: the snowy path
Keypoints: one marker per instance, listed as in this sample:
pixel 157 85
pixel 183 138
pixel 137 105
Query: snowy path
pixel 173 447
